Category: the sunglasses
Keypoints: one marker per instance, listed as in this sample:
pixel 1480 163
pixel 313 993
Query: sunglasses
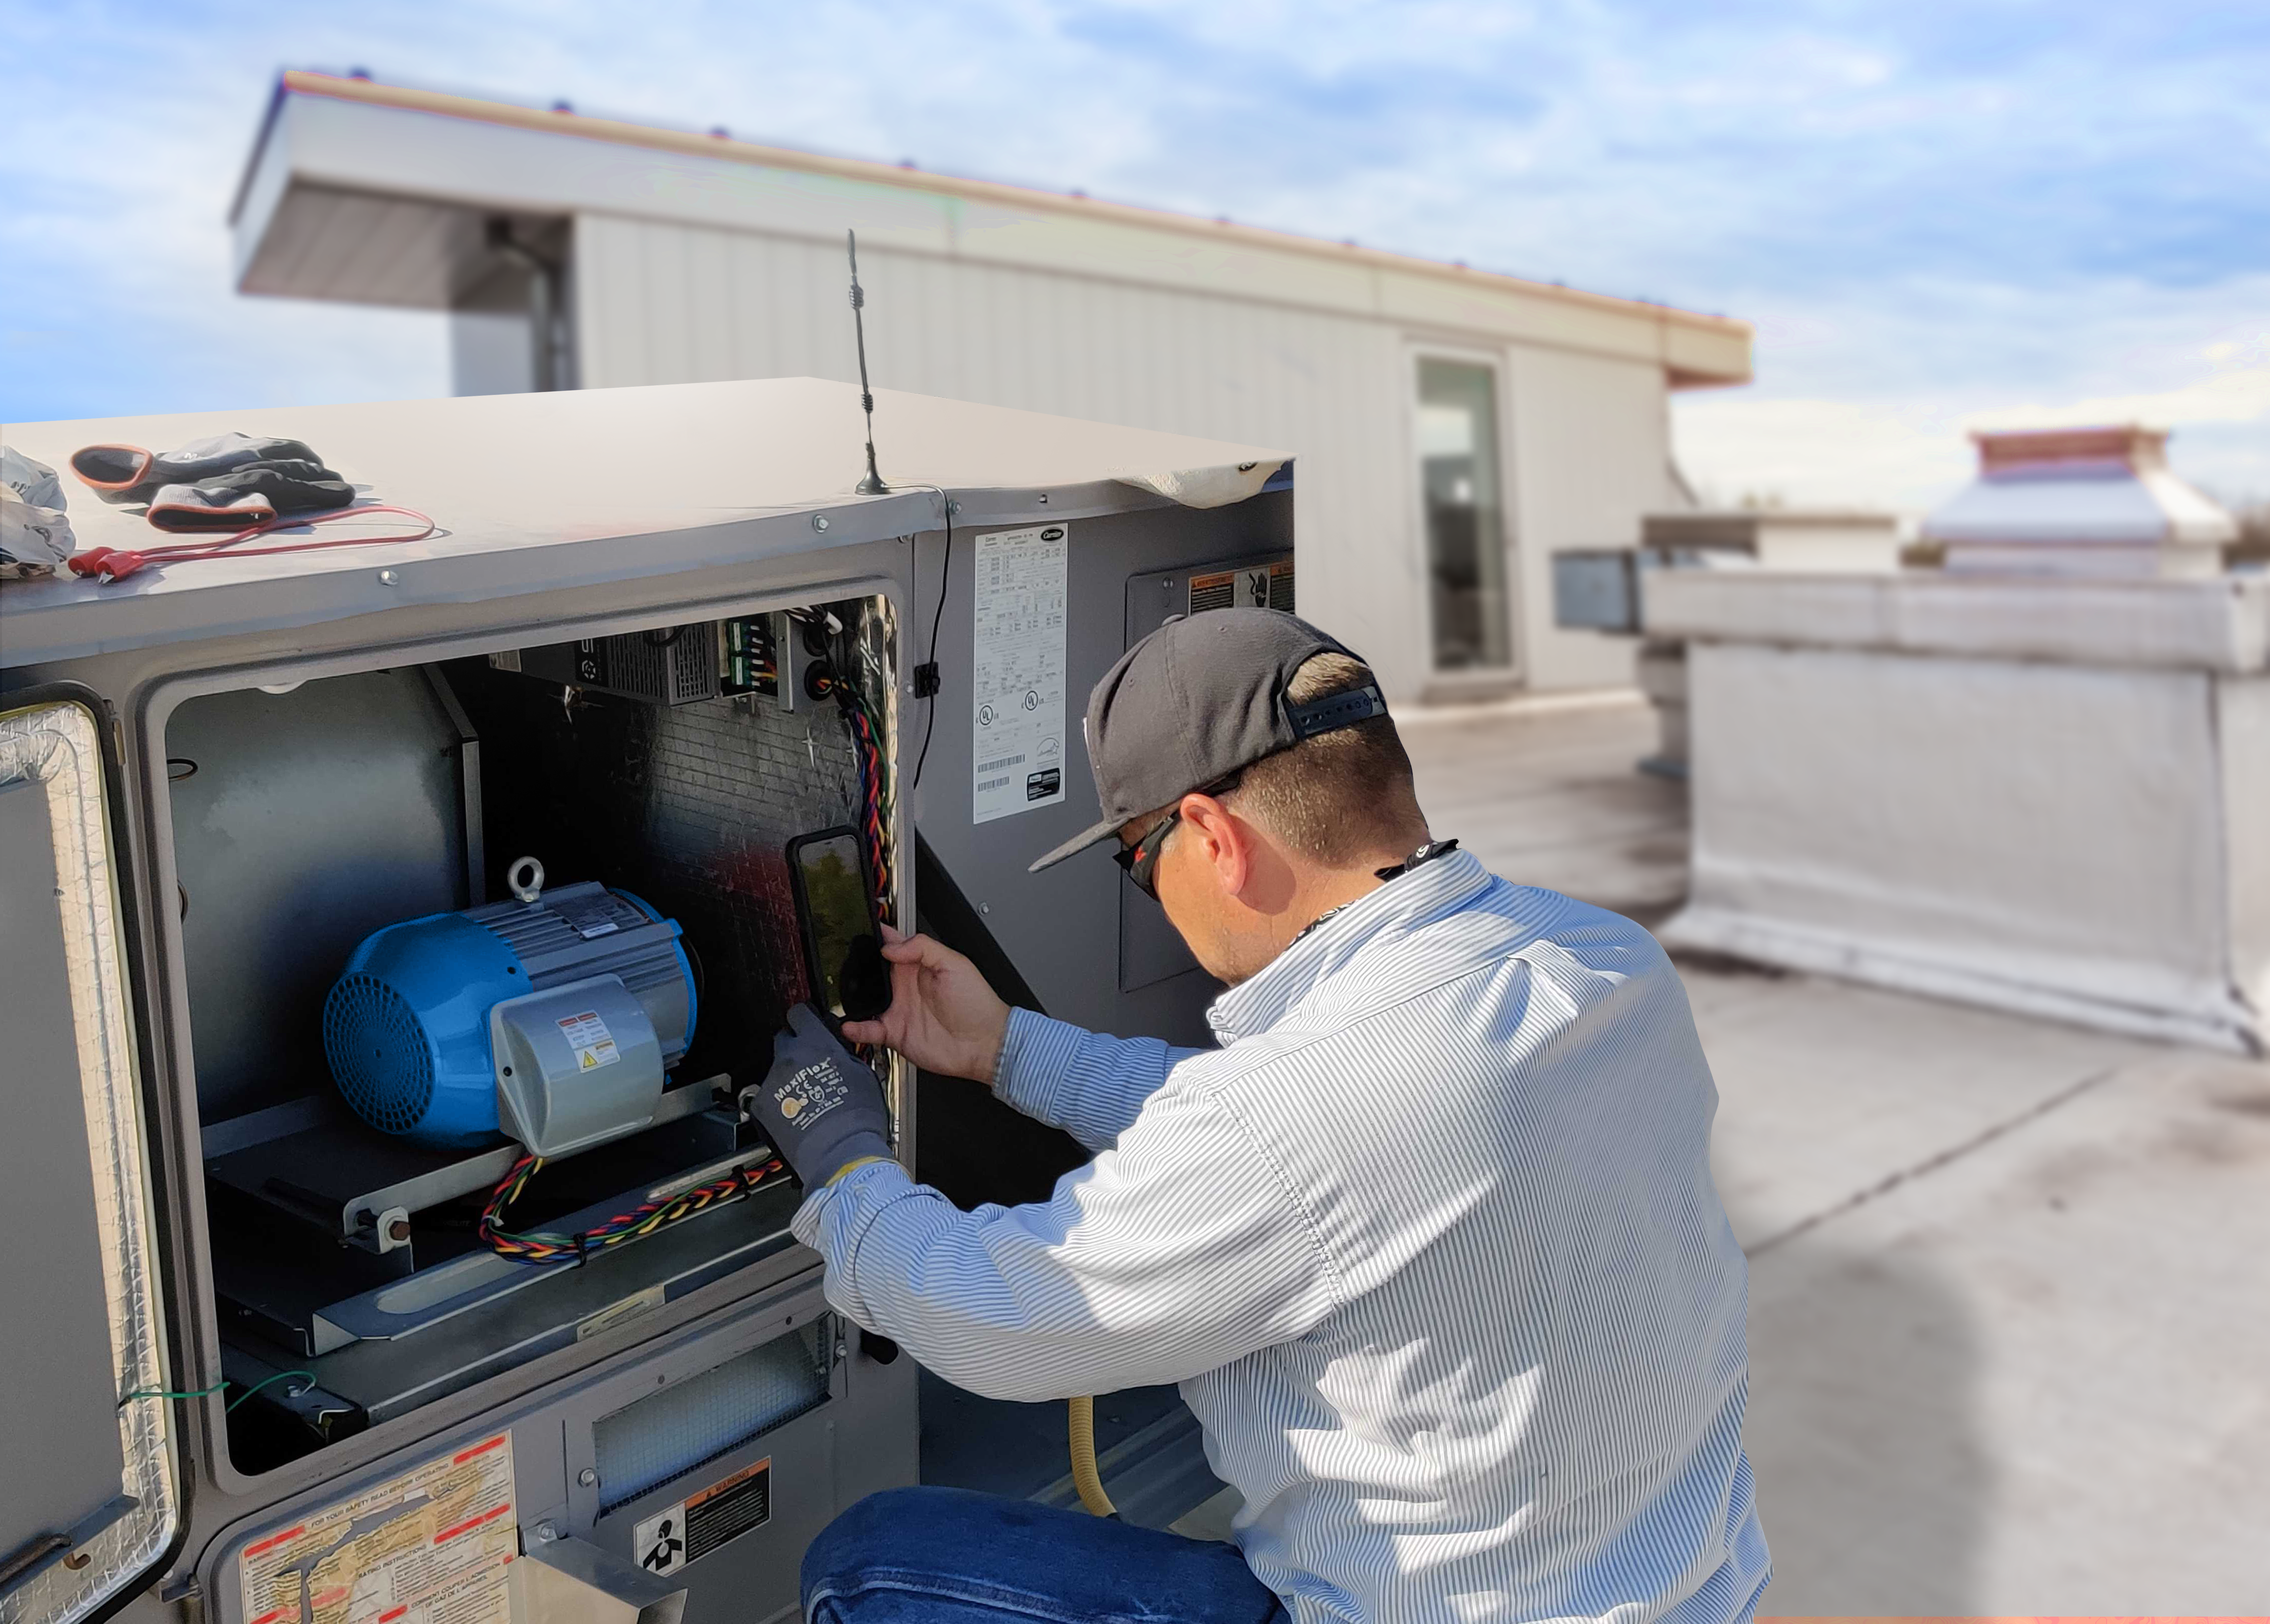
pixel 1141 860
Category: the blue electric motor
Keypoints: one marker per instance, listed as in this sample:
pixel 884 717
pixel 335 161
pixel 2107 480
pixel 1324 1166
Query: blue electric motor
pixel 564 1006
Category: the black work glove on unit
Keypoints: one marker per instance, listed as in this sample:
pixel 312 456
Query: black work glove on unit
pixel 253 494
pixel 821 1108
pixel 122 473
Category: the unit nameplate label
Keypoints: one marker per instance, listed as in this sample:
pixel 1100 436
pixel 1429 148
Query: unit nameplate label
pixel 1017 697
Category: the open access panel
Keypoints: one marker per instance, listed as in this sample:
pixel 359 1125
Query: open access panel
pixel 404 928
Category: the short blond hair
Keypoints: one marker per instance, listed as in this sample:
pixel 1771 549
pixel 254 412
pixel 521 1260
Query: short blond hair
pixel 1341 795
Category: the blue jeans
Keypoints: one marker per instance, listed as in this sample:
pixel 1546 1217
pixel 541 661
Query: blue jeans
pixel 951 1556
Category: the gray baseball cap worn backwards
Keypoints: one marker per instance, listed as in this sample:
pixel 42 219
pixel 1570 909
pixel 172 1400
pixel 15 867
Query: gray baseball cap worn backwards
pixel 1195 701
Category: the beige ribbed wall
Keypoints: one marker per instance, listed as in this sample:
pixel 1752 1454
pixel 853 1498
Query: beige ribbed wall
pixel 1584 435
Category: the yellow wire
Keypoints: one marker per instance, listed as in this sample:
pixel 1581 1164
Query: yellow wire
pixel 1084 1477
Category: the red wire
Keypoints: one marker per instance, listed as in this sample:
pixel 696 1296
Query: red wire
pixel 117 563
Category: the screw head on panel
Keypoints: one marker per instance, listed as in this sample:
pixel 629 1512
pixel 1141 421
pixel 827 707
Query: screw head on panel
pixel 546 1533
pixel 588 1477
pixel 389 578
pixel 819 520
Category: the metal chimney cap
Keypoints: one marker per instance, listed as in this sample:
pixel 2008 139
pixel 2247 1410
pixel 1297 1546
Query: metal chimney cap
pixel 2078 487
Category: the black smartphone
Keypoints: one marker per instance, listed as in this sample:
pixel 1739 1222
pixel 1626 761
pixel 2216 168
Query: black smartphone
pixel 842 946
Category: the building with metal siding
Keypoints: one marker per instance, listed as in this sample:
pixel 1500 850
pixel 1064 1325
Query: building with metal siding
pixel 1428 511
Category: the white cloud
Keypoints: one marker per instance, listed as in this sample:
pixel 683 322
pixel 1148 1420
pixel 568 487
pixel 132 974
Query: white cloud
pixel 1928 212
pixel 1895 434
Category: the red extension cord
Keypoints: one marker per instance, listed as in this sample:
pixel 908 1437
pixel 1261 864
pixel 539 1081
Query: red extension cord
pixel 117 563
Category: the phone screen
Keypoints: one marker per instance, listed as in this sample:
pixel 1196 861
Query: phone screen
pixel 845 949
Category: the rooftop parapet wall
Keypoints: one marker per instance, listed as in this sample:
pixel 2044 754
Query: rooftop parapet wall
pixel 2221 625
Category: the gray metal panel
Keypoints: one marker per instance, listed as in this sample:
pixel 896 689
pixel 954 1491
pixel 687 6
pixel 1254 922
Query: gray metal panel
pixel 1060 927
pixel 551 1435
pixel 1596 589
pixel 313 818
pixel 58 1406
pixel 753 1576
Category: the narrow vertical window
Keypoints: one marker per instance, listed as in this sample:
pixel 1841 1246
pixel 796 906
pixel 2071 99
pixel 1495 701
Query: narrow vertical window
pixel 1464 515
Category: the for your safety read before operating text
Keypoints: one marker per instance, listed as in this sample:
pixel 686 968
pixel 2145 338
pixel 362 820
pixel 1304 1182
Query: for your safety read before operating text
pixel 430 1546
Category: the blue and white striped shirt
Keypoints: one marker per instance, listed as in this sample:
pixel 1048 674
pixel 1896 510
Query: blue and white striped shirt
pixel 1430 1241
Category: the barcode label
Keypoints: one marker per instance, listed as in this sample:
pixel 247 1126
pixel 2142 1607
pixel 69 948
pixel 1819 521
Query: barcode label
pixel 983 785
pixel 999 763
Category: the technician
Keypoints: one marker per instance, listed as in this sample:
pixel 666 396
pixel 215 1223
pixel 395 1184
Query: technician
pixel 1429 1241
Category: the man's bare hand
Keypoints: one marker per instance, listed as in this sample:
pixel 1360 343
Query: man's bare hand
pixel 943 1016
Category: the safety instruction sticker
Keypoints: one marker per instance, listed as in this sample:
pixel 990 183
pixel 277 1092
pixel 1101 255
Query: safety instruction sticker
pixel 698 1525
pixel 588 1036
pixel 1017 699
pixel 429 1546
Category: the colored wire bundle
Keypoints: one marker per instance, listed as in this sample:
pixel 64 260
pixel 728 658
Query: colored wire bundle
pixel 875 792
pixel 541 1247
pixel 866 720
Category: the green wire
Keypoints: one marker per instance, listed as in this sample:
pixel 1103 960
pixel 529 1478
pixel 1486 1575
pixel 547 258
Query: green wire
pixel 207 1392
pixel 279 1376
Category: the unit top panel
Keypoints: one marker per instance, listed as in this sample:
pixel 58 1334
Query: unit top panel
pixel 586 487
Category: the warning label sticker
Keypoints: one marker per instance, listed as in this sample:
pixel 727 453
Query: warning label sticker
pixel 588 1036
pixel 1017 698
pixel 698 1525
pixel 429 1546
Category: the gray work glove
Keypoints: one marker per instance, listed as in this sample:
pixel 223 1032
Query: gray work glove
pixel 821 1108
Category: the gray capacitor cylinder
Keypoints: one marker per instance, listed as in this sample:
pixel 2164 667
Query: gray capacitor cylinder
pixel 610 1006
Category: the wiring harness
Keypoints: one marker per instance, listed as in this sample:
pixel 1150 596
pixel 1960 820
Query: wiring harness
pixel 864 718
pixel 544 1247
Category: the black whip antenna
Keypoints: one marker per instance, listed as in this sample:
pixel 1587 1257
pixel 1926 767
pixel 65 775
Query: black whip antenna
pixel 873 484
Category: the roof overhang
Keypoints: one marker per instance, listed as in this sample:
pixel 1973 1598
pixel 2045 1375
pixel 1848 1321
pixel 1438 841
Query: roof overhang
pixel 379 194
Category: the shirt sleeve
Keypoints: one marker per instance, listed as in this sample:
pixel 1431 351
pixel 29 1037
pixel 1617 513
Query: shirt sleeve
pixel 1173 1254
pixel 1091 1086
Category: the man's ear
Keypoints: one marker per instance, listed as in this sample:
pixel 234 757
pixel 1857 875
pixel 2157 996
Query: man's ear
pixel 1224 843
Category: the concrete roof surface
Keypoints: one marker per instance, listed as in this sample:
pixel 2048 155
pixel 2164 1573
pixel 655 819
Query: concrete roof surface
pixel 2008 1351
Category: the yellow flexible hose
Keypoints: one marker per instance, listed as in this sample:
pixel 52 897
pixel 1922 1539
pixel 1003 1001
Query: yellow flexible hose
pixel 1084 1477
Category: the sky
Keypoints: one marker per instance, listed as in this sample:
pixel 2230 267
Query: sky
pixel 1940 217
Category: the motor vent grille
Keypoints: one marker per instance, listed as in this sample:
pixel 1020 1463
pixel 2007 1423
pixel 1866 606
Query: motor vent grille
pixel 680 668
pixel 379 1053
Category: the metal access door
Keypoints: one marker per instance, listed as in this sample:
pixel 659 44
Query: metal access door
pixel 90 1498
